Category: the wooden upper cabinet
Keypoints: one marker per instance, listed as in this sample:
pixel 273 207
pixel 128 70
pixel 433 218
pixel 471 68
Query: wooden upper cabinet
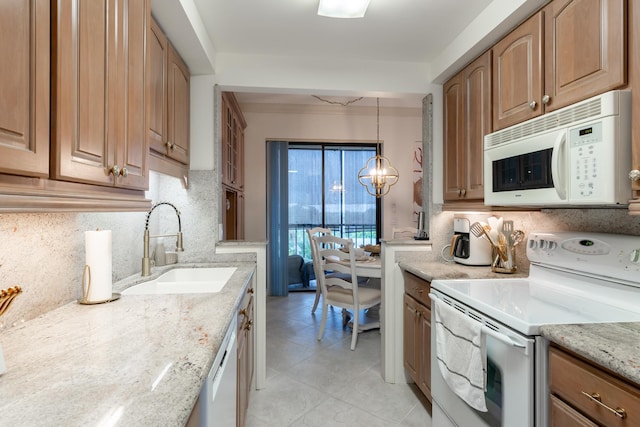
pixel 569 51
pixel 24 104
pixel 467 119
pixel 168 132
pixel 585 49
pixel 518 74
pixel 233 125
pixel 477 122
pixel 99 67
pixel 453 115
pixel 157 47
pixel 178 112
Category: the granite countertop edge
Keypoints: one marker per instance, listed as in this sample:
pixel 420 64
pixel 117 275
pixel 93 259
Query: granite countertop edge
pixel 138 361
pixel 614 346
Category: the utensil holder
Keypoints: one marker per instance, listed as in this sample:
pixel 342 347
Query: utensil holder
pixel 500 265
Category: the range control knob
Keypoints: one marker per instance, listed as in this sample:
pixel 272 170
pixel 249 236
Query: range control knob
pixel 634 256
pixel 533 244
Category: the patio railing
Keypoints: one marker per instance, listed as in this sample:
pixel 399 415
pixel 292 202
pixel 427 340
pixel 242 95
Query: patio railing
pixel 360 234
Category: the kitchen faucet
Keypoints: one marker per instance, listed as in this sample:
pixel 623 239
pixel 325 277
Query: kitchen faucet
pixel 146 262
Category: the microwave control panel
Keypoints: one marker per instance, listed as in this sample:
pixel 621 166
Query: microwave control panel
pixel 590 158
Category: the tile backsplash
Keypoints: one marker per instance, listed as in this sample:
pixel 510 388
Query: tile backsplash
pixel 44 252
pixel 616 221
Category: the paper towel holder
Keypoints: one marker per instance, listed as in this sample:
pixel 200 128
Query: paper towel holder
pixel 86 287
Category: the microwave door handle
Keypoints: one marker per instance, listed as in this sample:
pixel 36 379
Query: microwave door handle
pixel 556 157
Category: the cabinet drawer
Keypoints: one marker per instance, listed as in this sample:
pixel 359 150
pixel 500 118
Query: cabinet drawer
pixel 418 288
pixel 574 381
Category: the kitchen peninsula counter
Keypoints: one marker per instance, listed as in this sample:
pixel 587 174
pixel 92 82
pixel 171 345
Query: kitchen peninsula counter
pixel 137 361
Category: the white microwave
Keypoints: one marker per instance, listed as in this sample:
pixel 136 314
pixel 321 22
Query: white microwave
pixel 579 155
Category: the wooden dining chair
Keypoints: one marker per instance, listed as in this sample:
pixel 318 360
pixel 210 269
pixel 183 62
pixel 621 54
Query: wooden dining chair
pixel 338 281
pixel 316 231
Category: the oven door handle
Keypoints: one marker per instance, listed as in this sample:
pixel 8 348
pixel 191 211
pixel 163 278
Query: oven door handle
pixel 501 337
pixel 488 331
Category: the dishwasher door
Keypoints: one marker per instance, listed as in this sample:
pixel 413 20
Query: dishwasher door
pixel 218 407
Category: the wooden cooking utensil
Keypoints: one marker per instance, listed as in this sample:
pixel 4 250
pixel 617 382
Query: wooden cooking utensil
pixel 7 296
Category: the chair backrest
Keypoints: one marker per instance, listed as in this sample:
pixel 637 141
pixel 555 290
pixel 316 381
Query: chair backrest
pixel 336 256
pixel 404 232
pixel 316 231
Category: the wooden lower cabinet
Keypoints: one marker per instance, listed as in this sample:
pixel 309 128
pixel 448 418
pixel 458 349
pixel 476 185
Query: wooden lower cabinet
pixel 417 332
pixel 245 355
pixel 584 394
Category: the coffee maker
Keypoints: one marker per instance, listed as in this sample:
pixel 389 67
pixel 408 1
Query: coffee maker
pixel 465 247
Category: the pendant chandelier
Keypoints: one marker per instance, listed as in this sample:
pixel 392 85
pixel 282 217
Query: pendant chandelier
pixel 378 175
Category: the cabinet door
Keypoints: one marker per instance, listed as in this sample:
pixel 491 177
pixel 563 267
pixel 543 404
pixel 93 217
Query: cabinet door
pixel 517 74
pixel 579 63
pixel 157 47
pixel 477 123
pixel 131 148
pixel 24 85
pixel 424 379
pixel 563 415
pixel 85 75
pixel 454 155
pixel 99 130
pixel 178 113
pixel 411 337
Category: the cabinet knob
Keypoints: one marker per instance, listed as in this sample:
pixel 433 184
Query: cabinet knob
pixel 244 312
pixel 634 175
pixel 115 170
pixel 170 145
pixel 248 326
pixel 533 105
pixel 124 172
pixel 545 99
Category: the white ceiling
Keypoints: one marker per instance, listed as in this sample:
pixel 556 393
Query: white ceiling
pixel 391 30
pixel 396 51
pixel 412 31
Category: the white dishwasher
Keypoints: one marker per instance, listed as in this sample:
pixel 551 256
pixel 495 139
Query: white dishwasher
pixel 218 395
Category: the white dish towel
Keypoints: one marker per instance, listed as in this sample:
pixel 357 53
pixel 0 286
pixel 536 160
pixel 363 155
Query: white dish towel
pixel 461 354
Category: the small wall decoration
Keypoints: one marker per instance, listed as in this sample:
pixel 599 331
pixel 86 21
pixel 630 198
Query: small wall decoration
pixel 417 179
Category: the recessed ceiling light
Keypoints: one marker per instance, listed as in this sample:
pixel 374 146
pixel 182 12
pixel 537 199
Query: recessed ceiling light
pixel 343 8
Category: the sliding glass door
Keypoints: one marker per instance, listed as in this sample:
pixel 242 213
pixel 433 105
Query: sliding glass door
pixel 324 192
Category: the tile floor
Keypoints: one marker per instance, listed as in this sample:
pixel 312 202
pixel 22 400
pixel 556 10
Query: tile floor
pixel 324 383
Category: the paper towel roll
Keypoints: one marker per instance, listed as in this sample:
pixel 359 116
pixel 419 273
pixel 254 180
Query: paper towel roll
pixel 98 258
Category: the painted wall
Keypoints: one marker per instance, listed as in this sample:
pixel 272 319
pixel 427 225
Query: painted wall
pixel 399 130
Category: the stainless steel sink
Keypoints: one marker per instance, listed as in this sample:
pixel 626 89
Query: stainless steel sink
pixel 185 281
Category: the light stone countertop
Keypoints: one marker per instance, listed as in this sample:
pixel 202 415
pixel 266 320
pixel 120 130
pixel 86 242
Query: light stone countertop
pixel 137 361
pixel 433 270
pixel 615 346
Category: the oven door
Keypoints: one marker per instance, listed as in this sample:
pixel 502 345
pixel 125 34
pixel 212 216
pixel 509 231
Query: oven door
pixel 510 382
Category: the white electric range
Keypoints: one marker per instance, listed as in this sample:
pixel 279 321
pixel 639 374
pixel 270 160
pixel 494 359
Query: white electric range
pixel 574 278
